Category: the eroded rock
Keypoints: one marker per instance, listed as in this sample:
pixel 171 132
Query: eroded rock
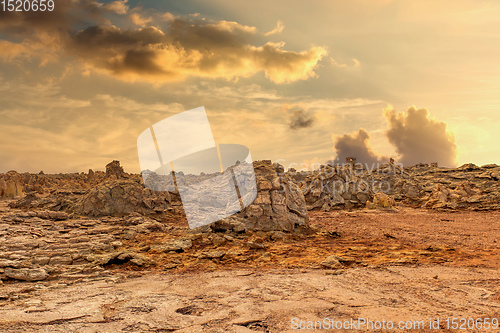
pixel 11 184
pixel 331 262
pixel 122 197
pixel 113 170
pixel 280 204
pixel 355 186
pixel 26 274
pixel 178 245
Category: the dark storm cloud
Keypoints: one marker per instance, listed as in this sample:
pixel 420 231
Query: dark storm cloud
pixel 191 47
pixel 418 138
pixel 300 119
pixel 182 47
pixel 357 145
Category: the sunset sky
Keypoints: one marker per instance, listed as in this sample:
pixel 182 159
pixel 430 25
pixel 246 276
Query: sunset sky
pixel 295 81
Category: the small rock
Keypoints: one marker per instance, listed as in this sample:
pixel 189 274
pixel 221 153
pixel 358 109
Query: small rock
pixel 178 245
pixel 102 259
pixel 335 272
pixel 331 262
pixel 144 248
pixel 217 240
pixel 265 185
pixel 40 260
pixel 139 261
pixel 10 263
pixel 58 216
pixel 129 234
pixel 228 224
pixel 277 235
pixel 150 226
pixel 255 245
pixel 229 238
pixel 116 244
pixel 212 255
pixel 26 274
pixel 61 260
pixel 170 265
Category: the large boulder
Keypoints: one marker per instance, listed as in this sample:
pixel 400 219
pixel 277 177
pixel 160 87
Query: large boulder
pixel 11 185
pixel 279 205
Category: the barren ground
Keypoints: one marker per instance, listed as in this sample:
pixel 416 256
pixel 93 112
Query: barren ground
pixel 401 265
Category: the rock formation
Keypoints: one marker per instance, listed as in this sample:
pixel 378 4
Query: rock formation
pixel 114 170
pixel 121 197
pixel 280 204
pixel 11 184
pixel 72 227
pixel 380 200
pixel 343 187
pixel 421 186
pixel 283 198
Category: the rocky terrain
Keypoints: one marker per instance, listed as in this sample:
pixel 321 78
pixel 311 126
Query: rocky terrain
pixel 99 252
pixel 422 186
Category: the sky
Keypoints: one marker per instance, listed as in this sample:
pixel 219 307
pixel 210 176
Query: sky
pixel 296 82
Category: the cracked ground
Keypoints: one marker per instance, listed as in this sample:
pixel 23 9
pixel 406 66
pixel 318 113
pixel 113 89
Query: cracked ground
pixel 111 275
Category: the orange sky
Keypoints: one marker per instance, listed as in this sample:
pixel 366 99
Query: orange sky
pixel 297 82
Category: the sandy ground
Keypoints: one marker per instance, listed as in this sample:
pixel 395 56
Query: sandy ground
pixel 245 301
pixel 407 265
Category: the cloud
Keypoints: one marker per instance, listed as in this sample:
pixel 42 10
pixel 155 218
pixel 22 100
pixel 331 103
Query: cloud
pixel 65 15
pixel 140 20
pixel 163 48
pixel 58 136
pixel 9 51
pixel 355 63
pixel 415 136
pixel 419 138
pixel 357 144
pixel 119 7
pixel 279 28
pixel 20 23
pixel 220 49
pixel 300 119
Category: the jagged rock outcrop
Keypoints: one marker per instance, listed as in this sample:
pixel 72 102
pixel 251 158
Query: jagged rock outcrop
pixel 48 183
pixel 283 198
pixel 280 204
pixel 122 197
pixel 112 194
pixel 114 170
pixel 11 184
pixel 344 187
pixel 426 186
